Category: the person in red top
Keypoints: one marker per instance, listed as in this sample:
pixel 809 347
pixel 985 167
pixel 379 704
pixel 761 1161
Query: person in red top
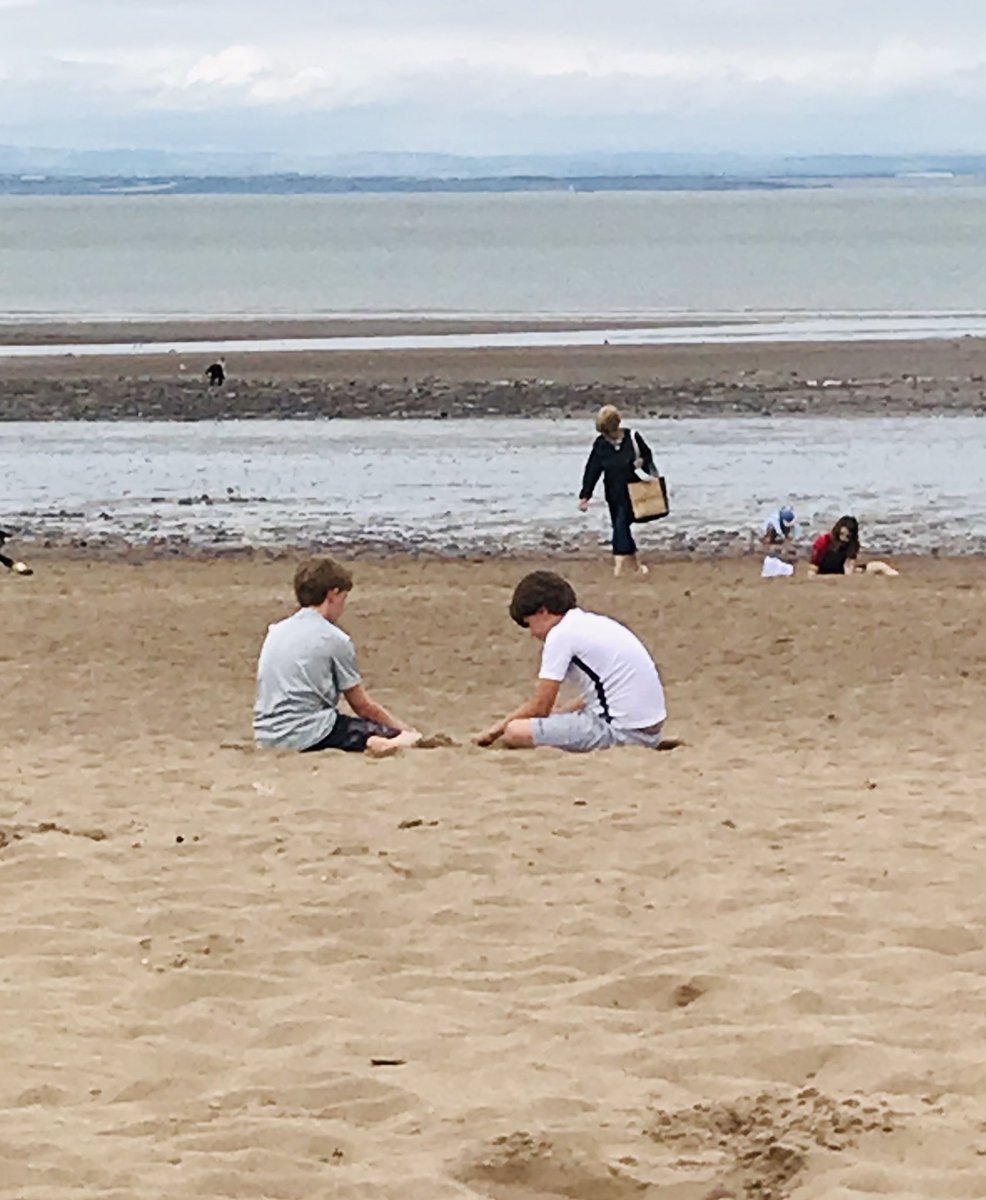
pixel 835 553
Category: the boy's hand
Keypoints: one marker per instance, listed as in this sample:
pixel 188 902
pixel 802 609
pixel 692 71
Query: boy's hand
pixel 493 734
pixel 584 505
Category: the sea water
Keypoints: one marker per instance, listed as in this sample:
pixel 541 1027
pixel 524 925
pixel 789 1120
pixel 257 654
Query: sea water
pixel 916 483
pixel 847 250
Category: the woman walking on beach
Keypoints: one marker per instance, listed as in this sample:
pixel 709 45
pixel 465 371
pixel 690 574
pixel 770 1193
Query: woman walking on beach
pixel 616 455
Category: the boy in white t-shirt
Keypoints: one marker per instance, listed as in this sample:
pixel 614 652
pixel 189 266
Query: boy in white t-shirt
pixel 622 701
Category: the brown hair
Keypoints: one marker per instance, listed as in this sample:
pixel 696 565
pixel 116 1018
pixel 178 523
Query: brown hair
pixel 608 420
pixel 541 589
pixel 851 525
pixel 316 577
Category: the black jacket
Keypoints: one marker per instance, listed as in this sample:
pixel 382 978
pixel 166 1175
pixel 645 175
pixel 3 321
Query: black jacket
pixel 616 465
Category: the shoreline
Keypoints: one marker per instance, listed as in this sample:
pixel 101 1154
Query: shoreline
pixel 29 328
pixel 822 378
pixel 48 550
pixel 99 330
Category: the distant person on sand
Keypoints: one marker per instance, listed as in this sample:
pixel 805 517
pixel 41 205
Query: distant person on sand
pixel 617 455
pixel 835 553
pixel 622 698
pixel 216 373
pixel 307 664
pixel 11 564
pixel 777 540
pixel 778 529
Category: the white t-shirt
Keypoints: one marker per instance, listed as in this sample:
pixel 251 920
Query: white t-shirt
pixel 611 667
pixel 775 524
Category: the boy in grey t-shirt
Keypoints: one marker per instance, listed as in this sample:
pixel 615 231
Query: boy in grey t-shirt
pixel 307 663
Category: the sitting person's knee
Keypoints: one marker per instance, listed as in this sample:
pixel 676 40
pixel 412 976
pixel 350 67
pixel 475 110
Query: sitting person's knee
pixel 517 735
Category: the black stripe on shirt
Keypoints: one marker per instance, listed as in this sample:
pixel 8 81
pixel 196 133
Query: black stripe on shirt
pixel 600 690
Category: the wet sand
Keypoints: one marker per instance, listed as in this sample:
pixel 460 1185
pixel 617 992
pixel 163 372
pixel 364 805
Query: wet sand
pixel 26 333
pixel 755 963
pixel 865 378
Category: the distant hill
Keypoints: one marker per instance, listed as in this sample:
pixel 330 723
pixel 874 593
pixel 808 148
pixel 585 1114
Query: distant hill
pixel 155 166
pixel 323 185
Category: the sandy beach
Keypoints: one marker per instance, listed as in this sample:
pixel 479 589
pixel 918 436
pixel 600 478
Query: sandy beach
pixel 755 963
pixel 817 378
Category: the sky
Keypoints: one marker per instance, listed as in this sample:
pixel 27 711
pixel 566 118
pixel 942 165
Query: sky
pixel 510 77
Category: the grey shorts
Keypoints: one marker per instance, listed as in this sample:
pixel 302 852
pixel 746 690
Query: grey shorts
pixel 582 731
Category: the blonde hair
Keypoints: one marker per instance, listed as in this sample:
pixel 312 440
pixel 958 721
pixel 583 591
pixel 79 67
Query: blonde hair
pixel 608 420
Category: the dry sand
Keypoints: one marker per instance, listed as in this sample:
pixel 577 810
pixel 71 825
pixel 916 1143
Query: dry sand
pixel 756 963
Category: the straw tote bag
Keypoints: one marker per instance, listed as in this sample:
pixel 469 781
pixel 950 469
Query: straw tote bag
pixel 648 497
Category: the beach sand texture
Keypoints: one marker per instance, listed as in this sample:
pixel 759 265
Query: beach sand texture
pixel 757 963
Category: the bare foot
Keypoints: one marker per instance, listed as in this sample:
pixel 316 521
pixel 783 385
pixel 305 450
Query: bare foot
pixel 380 747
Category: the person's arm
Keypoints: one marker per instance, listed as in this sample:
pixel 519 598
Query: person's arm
pixel 543 701
pixel 363 705
pixel 348 680
pixel 646 456
pixel 590 477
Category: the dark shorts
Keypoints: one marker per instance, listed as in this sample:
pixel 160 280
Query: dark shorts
pixel 351 733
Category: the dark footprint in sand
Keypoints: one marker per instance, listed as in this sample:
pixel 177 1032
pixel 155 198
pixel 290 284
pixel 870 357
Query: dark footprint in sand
pixel 670 744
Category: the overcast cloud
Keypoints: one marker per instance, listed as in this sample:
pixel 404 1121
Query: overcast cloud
pixel 318 76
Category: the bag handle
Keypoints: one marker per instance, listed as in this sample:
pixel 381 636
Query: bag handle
pixel 640 458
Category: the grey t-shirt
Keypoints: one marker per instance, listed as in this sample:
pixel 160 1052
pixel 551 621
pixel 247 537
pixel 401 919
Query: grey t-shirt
pixel 306 663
